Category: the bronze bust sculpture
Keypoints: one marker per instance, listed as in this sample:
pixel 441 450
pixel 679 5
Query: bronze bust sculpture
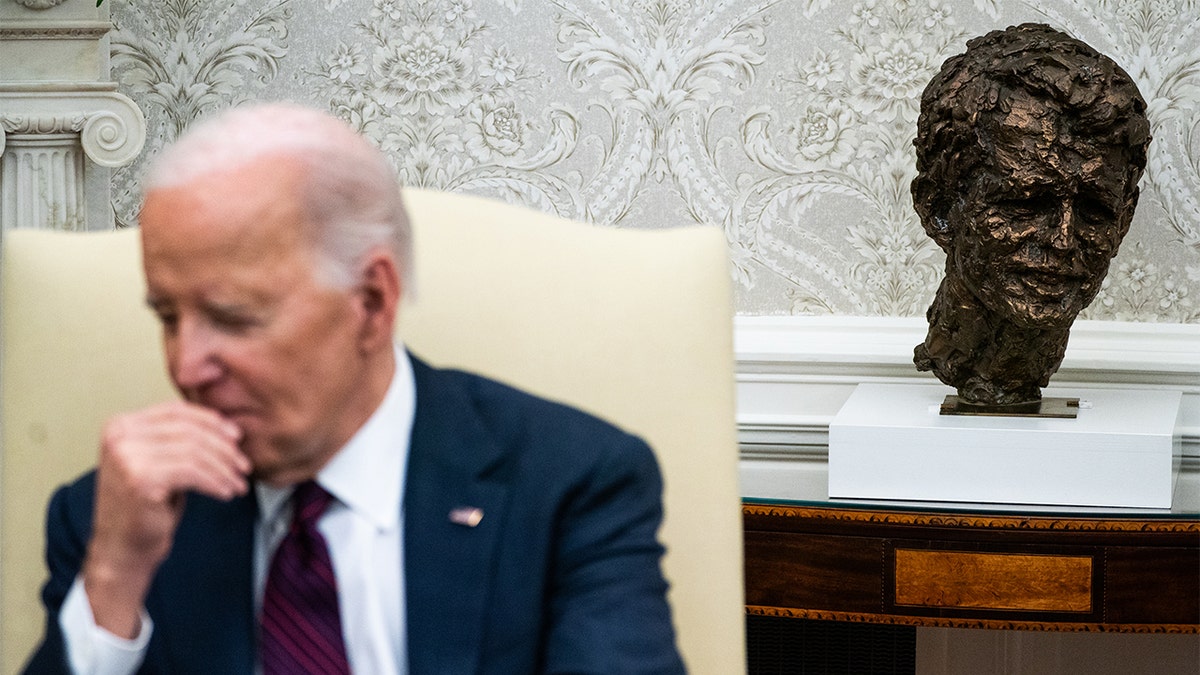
pixel 1029 147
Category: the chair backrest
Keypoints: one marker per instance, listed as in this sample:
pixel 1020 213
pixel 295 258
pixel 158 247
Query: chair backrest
pixel 634 326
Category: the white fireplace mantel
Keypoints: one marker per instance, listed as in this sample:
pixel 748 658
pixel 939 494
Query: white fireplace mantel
pixel 63 125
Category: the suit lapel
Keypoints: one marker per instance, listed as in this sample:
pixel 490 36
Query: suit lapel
pixel 447 554
pixel 204 598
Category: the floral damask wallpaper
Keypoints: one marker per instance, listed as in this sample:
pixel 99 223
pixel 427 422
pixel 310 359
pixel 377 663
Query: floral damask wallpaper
pixel 786 123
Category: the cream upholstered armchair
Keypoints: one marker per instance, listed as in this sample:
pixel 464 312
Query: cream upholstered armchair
pixel 634 326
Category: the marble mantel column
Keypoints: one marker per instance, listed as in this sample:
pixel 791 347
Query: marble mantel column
pixel 63 125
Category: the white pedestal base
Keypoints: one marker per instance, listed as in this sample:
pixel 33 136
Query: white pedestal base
pixel 889 442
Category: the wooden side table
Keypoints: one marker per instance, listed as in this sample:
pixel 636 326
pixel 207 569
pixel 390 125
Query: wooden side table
pixel 937 566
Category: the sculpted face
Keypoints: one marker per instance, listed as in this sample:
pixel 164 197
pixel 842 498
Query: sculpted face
pixel 247 329
pixel 1029 148
pixel 1037 226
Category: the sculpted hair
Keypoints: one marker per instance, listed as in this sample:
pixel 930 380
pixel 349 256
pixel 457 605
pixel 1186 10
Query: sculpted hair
pixel 349 191
pixel 963 103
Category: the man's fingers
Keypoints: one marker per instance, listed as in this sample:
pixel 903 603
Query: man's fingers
pixel 214 432
pixel 208 470
pixel 147 443
pixel 194 416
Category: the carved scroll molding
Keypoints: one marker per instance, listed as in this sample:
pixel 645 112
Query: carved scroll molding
pixel 111 127
pixel 39 4
pixel 47 135
pixel 70 30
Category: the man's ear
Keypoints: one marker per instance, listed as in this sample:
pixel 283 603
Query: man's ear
pixel 378 295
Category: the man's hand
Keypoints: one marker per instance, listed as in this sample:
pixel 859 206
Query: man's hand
pixel 149 460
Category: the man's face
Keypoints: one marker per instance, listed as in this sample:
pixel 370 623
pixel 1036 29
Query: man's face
pixel 247 329
pixel 1039 221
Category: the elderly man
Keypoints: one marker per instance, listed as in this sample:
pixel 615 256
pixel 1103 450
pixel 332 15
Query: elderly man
pixel 320 500
pixel 1029 146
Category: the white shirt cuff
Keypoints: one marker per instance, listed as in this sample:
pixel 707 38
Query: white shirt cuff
pixel 91 650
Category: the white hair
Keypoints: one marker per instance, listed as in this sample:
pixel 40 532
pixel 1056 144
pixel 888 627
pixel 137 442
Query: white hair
pixel 348 191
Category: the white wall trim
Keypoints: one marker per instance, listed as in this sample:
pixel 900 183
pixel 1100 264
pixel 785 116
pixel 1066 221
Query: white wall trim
pixel 1098 351
pixel 794 373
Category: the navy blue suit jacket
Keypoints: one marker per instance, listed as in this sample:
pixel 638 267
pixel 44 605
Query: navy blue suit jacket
pixel 560 576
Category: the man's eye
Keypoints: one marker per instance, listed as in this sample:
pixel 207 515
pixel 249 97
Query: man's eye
pixel 167 320
pixel 233 322
pixel 1095 210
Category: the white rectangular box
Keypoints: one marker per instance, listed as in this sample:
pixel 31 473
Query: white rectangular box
pixel 890 442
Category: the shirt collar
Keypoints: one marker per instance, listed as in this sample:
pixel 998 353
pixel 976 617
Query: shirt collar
pixel 367 474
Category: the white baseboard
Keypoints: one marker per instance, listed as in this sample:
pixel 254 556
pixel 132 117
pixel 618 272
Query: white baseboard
pixel 794 374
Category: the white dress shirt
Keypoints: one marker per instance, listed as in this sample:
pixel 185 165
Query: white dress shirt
pixel 363 527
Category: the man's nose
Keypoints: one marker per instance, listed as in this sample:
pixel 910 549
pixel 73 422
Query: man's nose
pixel 1062 235
pixel 194 354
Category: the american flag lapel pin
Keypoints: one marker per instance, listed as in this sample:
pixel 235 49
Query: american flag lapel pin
pixel 467 516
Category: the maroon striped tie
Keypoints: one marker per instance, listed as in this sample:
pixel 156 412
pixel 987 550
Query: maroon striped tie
pixel 301 627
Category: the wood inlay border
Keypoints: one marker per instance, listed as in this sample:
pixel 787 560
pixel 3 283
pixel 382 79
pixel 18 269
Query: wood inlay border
pixel 1039 522
pixel 992 624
